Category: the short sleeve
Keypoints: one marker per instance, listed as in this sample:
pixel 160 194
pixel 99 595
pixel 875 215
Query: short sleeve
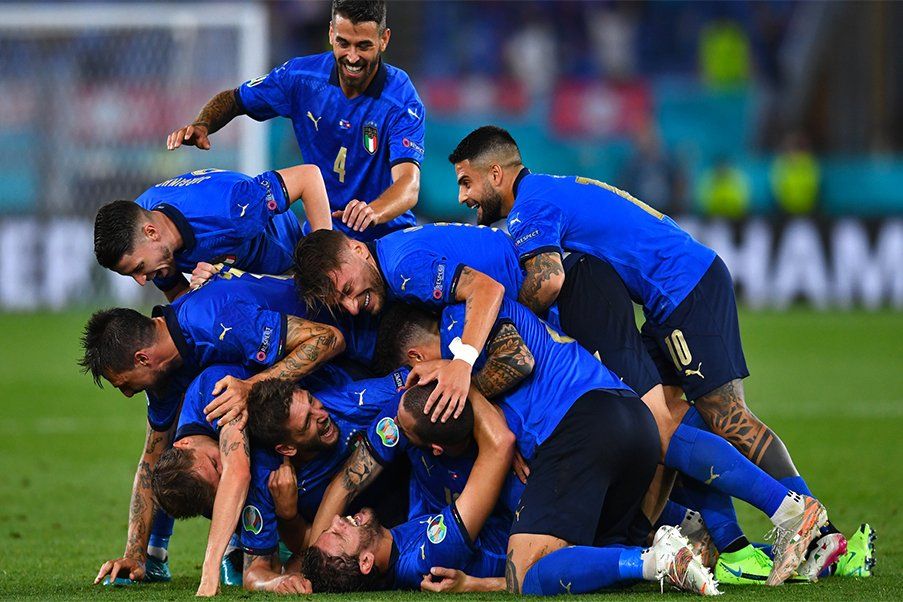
pixel 162 410
pixel 407 133
pixel 259 528
pixel 385 440
pixel 165 283
pixel 255 201
pixel 192 419
pixel 446 539
pixel 425 277
pixel 243 333
pixel 535 227
pixel 267 96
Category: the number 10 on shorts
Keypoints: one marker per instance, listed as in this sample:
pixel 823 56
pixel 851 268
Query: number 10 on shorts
pixel 679 350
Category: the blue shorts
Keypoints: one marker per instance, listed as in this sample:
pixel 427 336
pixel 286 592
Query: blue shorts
pixel 698 346
pixel 588 478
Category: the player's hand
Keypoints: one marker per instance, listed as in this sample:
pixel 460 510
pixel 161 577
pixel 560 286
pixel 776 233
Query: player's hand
pixel 202 272
pixel 450 394
pixel 444 580
pixel 424 372
pixel 230 401
pixel 112 568
pixel 520 466
pixel 357 215
pixel 292 583
pixel 283 486
pixel 191 135
pixel 209 587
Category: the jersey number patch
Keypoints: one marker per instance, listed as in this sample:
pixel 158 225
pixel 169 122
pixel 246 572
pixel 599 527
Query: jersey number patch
pixel 339 165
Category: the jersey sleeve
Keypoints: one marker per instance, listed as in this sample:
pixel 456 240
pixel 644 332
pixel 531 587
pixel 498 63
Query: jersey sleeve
pixel 407 133
pixel 166 283
pixel 254 202
pixel 192 419
pixel 425 277
pixel 445 541
pixel 268 96
pixel 535 228
pixel 162 410
pixel 243 333
pixel 258 529
pixel 384 439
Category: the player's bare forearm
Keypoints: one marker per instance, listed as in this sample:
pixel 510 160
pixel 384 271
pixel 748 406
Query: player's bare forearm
pixel 235 456
pixel 357 474
pixel 508 362
pixel 305 182
pixel 293 533
pixel 484 584
pixel 141 507
pixel 482 297
pixel 259 571
pixel 401 196
pixel 542 282
pixel 219 110
pixel 308 345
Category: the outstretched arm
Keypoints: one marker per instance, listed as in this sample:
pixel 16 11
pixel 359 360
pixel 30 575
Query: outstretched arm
pixel 359 471
pixel 141 511
pixel 235 456
pixel 454 581
pixel 264 574
pixel 219 110
pixel 305 182
pixel 308 345
pixel 401 196
pixel 542 282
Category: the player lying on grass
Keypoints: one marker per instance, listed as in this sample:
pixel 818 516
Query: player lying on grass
pixel 207 215
pixel 526 361
pixel 355 117
pixel 691 335
pixel 357 553
pixel 236 318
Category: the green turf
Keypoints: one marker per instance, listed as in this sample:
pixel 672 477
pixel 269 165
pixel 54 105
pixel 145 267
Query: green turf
pixel 829 383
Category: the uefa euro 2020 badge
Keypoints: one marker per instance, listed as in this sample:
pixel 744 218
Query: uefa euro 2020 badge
pixel 387 431
pixel 251 520
pixel 436 529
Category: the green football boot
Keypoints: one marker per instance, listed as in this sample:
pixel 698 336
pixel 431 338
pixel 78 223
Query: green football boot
pixel 860 557
pixel 747 566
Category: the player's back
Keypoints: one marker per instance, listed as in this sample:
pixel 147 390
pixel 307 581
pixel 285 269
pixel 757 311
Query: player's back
pixel 658 261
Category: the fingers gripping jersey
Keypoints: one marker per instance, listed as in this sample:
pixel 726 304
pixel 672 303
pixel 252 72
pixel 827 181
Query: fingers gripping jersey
pixel 356 142
pixel 423 264
pixel 563 371
pixel 352 406
pixel 225 213
pixel 658 261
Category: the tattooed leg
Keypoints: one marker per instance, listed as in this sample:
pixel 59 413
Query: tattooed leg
pixel 726 413
pixel 524 549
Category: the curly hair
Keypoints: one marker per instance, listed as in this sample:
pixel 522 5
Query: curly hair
pixel 178 489
pixel 339 574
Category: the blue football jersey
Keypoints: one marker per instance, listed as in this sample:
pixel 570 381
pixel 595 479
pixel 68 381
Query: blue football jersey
pixel 352 406
pixel 163 403
pixel 356 142
pixel 192 420
pixel 422 264
pixel 658 261
pixel 562 372
pixel 226 213
pixel 441 539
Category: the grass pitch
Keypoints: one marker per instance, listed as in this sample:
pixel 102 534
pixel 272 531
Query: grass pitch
pixel 830 383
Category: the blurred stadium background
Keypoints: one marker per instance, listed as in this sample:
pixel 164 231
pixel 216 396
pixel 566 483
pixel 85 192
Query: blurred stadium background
pixel 772 130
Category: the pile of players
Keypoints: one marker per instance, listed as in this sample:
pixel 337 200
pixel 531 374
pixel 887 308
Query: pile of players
pixel 488 393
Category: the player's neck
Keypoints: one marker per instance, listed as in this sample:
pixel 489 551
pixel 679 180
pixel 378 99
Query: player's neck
pixel 166 347
pixel 511 174
pixel 352 93
pixel 169 233
pixel 383 553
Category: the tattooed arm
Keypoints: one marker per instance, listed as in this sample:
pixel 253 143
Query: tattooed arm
pixel 508 362
pixel 543 281
pixel 218 111
pixel 308 345
pixel 359 471
pixel 141 511
pixel 235 457
pixel 264 574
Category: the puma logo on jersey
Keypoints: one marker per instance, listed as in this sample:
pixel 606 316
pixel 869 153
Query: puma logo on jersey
pixel 225 330
pixel 697 371
pixel 243 209
pixel 712 476
pixel 413 114
pixel 516 220
pixel 404 281
pixel 450 326
pixel 423 551
pixel 360 397
pixel 429 469
pixel 316 121
pixel 517 513
pixel 567 588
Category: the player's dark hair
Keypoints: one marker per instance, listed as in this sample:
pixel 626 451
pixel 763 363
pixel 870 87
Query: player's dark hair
pixel 455 430
pixel 487 142
pixel 317 255
pixel 400 327
pixel 269 404
pixel 361 11
pixel 338 574
pixel 114 231
pixel 111 338
pixel 178 489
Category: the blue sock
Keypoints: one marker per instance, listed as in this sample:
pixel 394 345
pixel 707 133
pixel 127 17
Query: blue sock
pixel 582 569
pixel 673 514
pixel 713 461
pixel 161 530
pixel 716 508
pixel 796 484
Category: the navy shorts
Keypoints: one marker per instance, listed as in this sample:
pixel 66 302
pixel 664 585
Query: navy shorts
pixel 588 479
pixel 698 346
pixel 595 309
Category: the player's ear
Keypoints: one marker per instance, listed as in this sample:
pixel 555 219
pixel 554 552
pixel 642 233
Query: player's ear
pixel 436 449
pixel 151 232
pixel 496 173
pixel 142 358
pixel 331 34
pixel 286 449
pixel 414 356
pixel 384 39
pixel 365 560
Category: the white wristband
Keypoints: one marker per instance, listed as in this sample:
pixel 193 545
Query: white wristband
pixel 462 351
